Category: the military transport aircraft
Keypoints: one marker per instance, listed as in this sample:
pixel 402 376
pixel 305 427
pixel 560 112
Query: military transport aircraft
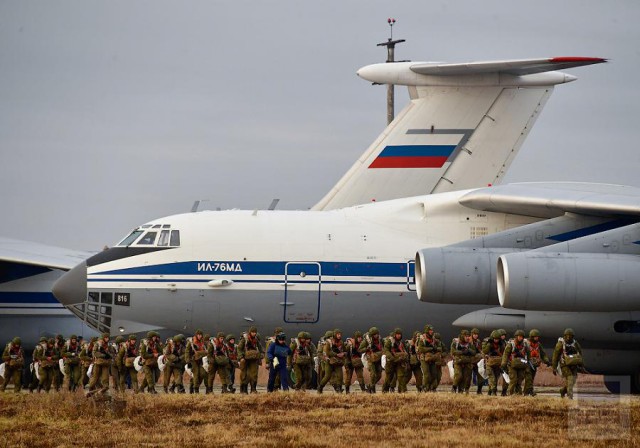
pixel 552 254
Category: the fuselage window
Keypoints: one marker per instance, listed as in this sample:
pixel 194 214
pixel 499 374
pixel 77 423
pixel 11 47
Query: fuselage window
pixel 131 238
pixel 166 226
pixel 164 238
pixel 157 226
pixel 148 239
pixel 175 238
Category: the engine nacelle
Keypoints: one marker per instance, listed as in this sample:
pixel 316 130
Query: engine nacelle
pixel 458 275
pixel 547 281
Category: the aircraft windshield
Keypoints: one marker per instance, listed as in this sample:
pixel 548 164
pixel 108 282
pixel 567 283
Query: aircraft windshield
pixel 131 238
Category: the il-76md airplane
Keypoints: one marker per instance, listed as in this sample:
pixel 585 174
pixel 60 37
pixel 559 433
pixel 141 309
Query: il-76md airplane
pixel 412 217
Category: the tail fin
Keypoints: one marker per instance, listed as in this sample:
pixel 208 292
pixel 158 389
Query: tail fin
pixel 462 129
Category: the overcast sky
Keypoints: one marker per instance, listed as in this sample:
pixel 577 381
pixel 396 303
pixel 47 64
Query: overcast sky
pixel 113 113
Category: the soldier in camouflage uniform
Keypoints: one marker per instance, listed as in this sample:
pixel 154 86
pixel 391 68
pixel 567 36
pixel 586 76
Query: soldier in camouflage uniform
pixel 218 363
pixel 427 354
pixel 72 368
pixel 441 352
pixel 493 349
pixel 115 369
pixel 101 366
pixel 58 377
pixel 463 352
pixel 13 358
pixel 34 367
pixel 126 357
pixel 250 353
pixel 537 356
pixel 48 360
pixel 477 343
pixel 301 360
pixel 354 362
pixel 335 355
pixel 322 360
pixel 195 351
pixel 516 359
pixel 174 354
pixel 397 362
pixel 414 363
pixel 232 351
pixel 150 350
pixel 86 359
pixel 567 354
pixel 372 346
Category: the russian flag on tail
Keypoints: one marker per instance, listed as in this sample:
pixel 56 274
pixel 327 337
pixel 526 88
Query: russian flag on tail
pixel 413 156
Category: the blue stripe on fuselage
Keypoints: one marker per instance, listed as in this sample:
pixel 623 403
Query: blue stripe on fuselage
pixel 27 297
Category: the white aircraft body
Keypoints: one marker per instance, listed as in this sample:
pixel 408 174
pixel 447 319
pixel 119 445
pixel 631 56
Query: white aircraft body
pixel 420 188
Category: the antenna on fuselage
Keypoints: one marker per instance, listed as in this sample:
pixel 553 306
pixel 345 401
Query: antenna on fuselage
pixel 273 204
pixel 196 205
pixel 391 46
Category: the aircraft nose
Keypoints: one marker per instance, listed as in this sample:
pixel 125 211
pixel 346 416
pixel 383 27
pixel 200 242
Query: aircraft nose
pixel 71 288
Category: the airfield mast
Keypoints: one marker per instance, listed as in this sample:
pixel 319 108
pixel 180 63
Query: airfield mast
pixel 391 46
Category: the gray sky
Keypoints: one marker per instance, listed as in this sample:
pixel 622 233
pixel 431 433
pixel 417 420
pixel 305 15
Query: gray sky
pixel 113 113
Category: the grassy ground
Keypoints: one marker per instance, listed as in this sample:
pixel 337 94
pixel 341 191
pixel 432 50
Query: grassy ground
pixel 299 419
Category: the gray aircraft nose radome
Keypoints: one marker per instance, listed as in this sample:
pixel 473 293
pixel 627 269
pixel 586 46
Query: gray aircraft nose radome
pixel 71 288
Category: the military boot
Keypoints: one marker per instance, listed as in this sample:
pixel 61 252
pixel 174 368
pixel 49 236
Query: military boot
pixel 224 389
pixel 320 389
pixel 346 390
pixel 254 389
pixel 166 390
pixel 232 389
pixel 363 388
pixel 454 389
pixel 172 389
pixel 563 392
pixel 243 389
pixel 191 389
pixel 479 391
pixel 504 392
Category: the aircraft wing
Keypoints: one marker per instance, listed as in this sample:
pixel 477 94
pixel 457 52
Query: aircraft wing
pixel 552 199
pixel 515 67
pixel 36 254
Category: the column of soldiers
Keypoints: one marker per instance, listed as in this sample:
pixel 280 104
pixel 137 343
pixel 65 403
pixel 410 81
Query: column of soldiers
pixel 71 364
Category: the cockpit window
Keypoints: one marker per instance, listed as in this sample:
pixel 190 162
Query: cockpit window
pixel 148 239
pixel 164 238
pixel 131 238
pixel 175 238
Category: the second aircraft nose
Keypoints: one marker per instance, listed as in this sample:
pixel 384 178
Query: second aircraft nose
pixel 71 288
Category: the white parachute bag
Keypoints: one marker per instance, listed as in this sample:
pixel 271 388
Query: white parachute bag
pixel 89 371
pixel 137 363
pixel 276 362
pixel 316 363
pixel 505 376
pixel 61 366
pixel 35 369
pixel 383 361
pixel 187 368
pixel 2 369
pixel 162 363
pixel 482 370
pixel 451 371
pixel 205 363
pixel 365 361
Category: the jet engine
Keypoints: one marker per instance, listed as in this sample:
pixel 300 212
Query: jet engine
pixel 552 281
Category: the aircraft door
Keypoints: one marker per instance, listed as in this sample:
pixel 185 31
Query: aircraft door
pixel 302 286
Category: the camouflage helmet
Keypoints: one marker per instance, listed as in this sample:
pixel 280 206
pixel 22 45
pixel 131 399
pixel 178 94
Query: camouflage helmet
pixel 277 331
pixel 495 334
pixel 475 331
pixel 302 335
pixel 502 332
pixel 178 338
pixel 119 339
pixel 373 331
pixel 51 341
pixel 533 333
pixel 518 333
pixel 93 339
pixel 464 333
pixel 427 328
pixel 220 334
pixel 206 336
pixel 199 331
pixel 229 337
pixel 416 334
pixel 568 331
pixel 42 339
pixel 336 331
pixel 253 329
pixel 105 335
pixel 397 330
pixel 73 336
pixel 357 334
pixel 307 335
pixel 59 336
pixel 328 334
pixel 133 337
pixel 17 341
pixel 437 335
pixel 152 334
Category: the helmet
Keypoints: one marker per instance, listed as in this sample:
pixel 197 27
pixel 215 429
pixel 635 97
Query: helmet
pixel 119 339
pixel 73 336
pixel 133 337
pixel 281 336
pixel 152 334
pixel 357 334
pixel 307 335
pixel 17 341
pixel 475 331
pixel 105 335
pixel 436 335
pixel 301 335
pixel 207 336
pixel 220 334
pixel 277 331
pixel 397 330
pixel 495 334
pixel 51 341
pixel 253 329
pixel 427 328
pixel 42 339
pixel 568 331
pixel 518 333
pixel 373 331
pixel 533 333
pixel 198 331
pixel 93 339
pixel 229 337
pixel 328 334
pixel 178 338
pixel 59 336
pixel 502 332
pixel 464 333
pixel 336 331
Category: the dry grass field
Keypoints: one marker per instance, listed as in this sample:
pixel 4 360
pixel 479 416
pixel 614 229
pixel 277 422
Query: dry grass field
pixel 309 420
